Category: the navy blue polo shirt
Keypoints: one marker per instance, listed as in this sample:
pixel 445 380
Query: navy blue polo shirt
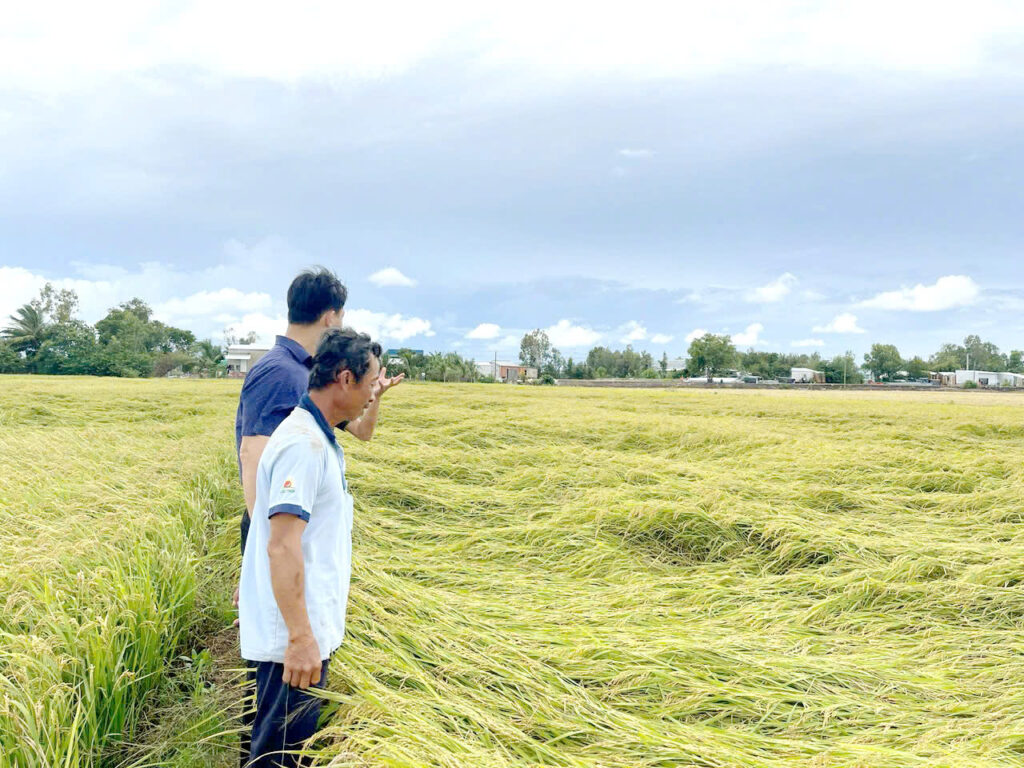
pixel 270 393
pixel 272 389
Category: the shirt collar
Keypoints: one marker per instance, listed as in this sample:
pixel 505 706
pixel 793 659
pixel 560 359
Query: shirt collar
pixel 307 403
pixel 297 350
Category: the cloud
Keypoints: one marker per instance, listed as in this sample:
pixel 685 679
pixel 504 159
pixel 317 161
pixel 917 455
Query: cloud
pixel 808 343
pixel 390 277
pixel 661 338
pixel 332 42
pixel 632 331
pixel 265 326
pixel 946 293
pixel 637 154
pixel 212 304
pixel 506 344
pixel 776 290
pixel 696 333
pixel 485 331
pixel 750 337
pixel 565 334
pixel 382 326
pixel 842 323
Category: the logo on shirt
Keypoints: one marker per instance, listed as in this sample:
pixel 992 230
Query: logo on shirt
pixel 289 485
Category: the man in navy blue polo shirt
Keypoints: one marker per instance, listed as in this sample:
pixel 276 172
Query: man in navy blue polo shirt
pixel 274 386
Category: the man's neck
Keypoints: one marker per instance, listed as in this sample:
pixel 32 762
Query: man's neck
pixel 323 401
pixel 308 336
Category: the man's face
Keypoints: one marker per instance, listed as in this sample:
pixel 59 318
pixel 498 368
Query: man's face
pixel 359 394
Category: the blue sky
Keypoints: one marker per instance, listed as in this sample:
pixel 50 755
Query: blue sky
pixel 804 176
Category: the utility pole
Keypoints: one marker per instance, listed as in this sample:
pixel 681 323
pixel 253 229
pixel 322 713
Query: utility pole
pixel 844 371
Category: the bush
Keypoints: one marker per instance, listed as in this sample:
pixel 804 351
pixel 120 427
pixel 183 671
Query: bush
pixel 487 380
pixel 970 385
pixel 547 379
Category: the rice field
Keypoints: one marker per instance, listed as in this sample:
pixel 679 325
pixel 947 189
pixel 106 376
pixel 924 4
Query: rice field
pixel 546 577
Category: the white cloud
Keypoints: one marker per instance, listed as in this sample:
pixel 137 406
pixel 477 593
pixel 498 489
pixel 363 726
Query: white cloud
pixel 211 304
pixel 565 334
pixel 750 337
pixel 49 44
pixel 265 326
pixel 485 331
pixel 661 338
pixel 381 325
pixel 696 333
pixel 390 277
pixel 632 331
pixel 946 293
pixel 776 290
pixel 507 345
pixel 637 154
pixel 808 343
pixel 18 286
pixel 842 323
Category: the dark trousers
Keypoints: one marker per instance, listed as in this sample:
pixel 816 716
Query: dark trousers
pixel 283 719
pixel 244 528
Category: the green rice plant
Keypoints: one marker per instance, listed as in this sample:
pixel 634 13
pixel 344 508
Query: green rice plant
pixel 112 493
pixel 546 576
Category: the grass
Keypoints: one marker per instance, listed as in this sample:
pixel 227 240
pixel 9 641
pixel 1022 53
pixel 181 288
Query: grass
pixel 115 499
pixel 556 577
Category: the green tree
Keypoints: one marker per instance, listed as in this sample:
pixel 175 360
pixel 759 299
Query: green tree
pixel 1015 361
pixel 984 355
pixel 884 362
pixel 57 307
pixel 535 349
pixel 70 348
pixel 663 365
pixel 26 333
pixel 917 368
pixel 841 369
pixel 209 357
pixel 10 360
pixel 712 354
pixel 950 357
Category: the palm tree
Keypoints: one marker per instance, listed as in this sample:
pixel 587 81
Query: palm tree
pixel 208 356
pixel 27 331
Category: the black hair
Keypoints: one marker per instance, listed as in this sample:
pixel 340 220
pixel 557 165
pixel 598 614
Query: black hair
pixel 313 292
pixel 341 349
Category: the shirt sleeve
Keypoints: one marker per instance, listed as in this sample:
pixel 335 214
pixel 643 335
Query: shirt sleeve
pixel 265 407
pixel 295 476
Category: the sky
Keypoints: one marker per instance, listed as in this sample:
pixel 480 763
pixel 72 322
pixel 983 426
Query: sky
pixel 805 176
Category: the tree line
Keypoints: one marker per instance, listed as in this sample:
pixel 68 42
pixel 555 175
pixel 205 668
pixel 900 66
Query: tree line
pixel 716 355
pixel 45 336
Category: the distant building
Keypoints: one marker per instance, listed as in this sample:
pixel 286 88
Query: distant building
pixel 676 364
pixel 806 376
pixel 242 357
pixel 989 378
pixel 507 371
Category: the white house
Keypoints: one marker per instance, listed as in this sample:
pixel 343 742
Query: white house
pixel 242 357
pixel 806 376
pixel 507 371
pixel 990 378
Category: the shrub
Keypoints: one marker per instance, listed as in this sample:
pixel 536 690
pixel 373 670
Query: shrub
pixel 970 385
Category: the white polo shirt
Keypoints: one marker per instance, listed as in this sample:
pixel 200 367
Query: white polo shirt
pixel 301 472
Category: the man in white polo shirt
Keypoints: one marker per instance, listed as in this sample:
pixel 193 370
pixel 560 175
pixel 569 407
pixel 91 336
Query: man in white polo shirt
pixel 298 561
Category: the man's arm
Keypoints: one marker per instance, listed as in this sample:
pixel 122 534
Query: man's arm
pixel 249 457
pixel 362 427
pixel 302 661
